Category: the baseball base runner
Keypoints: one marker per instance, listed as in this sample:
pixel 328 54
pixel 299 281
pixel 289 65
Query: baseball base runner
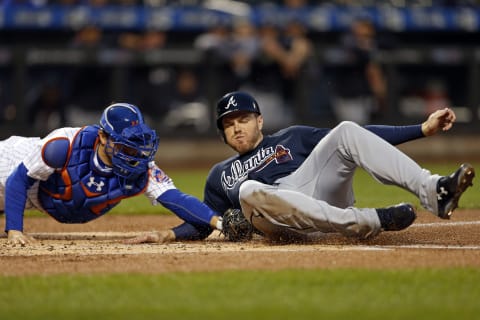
pixel 299 180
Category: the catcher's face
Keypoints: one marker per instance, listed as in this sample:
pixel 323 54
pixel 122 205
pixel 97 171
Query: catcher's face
pixel 243 131
pixel 104 144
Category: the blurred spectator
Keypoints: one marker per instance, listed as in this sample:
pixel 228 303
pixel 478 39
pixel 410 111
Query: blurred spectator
pixel 291 51
pixel 361 88
pixel 153 40
pixel 295 4
pixel 128 2
pixel 214 45
pixel 89 84
pixel 8 110
pixel 187 88
pixel 46 111
pixel 67 2
pixel 230 53
pixel 276 72
pixel 243 49
pixel 149 86
pixel 266 73
pixel 142 42
pixel 294 60
pixel 88 37
pixel 189 107
pixel 97 3
pixel 214 40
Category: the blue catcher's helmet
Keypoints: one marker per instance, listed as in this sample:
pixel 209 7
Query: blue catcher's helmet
pixel 233 102
pixel 133 144
pixel 118 116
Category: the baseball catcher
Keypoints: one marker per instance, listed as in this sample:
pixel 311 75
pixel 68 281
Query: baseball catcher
pixel 79 174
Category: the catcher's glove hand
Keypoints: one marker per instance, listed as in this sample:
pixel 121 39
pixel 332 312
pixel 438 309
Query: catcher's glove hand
pixel 235 227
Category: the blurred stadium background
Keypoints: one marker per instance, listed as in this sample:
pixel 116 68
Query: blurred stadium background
pixel 63 61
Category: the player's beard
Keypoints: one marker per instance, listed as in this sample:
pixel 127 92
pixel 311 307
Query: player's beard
pixel 248 142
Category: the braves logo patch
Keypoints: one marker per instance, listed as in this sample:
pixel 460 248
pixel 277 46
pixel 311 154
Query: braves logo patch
pixel 282 154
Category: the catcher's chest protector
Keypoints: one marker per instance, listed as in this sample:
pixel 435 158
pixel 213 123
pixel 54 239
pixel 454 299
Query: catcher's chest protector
pixel 78 193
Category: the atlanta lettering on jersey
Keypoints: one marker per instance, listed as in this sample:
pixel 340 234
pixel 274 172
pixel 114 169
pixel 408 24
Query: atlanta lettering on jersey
pixel 262 158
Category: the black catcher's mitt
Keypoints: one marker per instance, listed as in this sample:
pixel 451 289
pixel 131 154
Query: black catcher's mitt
pixel 235 226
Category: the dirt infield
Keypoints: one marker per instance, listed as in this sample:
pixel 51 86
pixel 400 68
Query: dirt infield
pixel 95 248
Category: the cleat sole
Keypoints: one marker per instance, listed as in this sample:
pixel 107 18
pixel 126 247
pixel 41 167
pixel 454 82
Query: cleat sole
pixel 465 181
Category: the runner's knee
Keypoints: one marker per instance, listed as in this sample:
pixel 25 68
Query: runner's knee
pixel 346 126
pixel 248 188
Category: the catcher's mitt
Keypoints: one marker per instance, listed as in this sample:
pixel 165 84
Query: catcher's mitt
pixel 235 227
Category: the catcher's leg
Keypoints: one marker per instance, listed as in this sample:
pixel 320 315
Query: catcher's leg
pixel 273 211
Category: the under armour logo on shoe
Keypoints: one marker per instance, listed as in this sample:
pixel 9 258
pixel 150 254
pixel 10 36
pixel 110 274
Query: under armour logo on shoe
pixel 441 193
pixel 92 182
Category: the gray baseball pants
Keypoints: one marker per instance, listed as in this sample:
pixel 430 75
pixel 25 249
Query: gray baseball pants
pixel 318 196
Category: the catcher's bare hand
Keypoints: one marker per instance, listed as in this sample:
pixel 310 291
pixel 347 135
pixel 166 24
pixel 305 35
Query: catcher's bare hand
pixel 442 119
pixel 161 236
pixel 17 237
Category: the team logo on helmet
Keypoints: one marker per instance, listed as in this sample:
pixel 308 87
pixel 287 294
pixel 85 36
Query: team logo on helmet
pixel 118 116
pixel 231 102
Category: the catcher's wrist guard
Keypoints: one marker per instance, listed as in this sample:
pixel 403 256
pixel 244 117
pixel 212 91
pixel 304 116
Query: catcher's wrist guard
pixel 235 227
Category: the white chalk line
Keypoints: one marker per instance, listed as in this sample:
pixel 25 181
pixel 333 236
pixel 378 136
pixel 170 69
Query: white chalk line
pixel 433 247
pixel 117 235
pixel 445 224
pixel 86 247
pixel 89 248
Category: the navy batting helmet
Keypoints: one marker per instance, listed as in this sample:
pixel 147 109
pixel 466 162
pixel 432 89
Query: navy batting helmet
pixel 234 102
pixel 133 143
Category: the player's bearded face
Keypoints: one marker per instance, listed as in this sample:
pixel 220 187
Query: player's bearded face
pixel 243 131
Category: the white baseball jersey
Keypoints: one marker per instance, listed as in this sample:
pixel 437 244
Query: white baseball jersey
pixel 28 150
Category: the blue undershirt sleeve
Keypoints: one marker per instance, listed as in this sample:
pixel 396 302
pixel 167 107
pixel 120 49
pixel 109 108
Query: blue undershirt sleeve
pixel 187 231
pixel 186 207
pixel 397 134
pixel 15 197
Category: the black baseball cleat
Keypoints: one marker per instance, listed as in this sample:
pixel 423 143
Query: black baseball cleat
pixel 397 217
pixel 450 189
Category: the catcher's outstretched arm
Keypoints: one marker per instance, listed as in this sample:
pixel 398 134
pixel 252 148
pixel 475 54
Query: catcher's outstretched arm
pixel 186 207
pixel 15 197
pixel 185 231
